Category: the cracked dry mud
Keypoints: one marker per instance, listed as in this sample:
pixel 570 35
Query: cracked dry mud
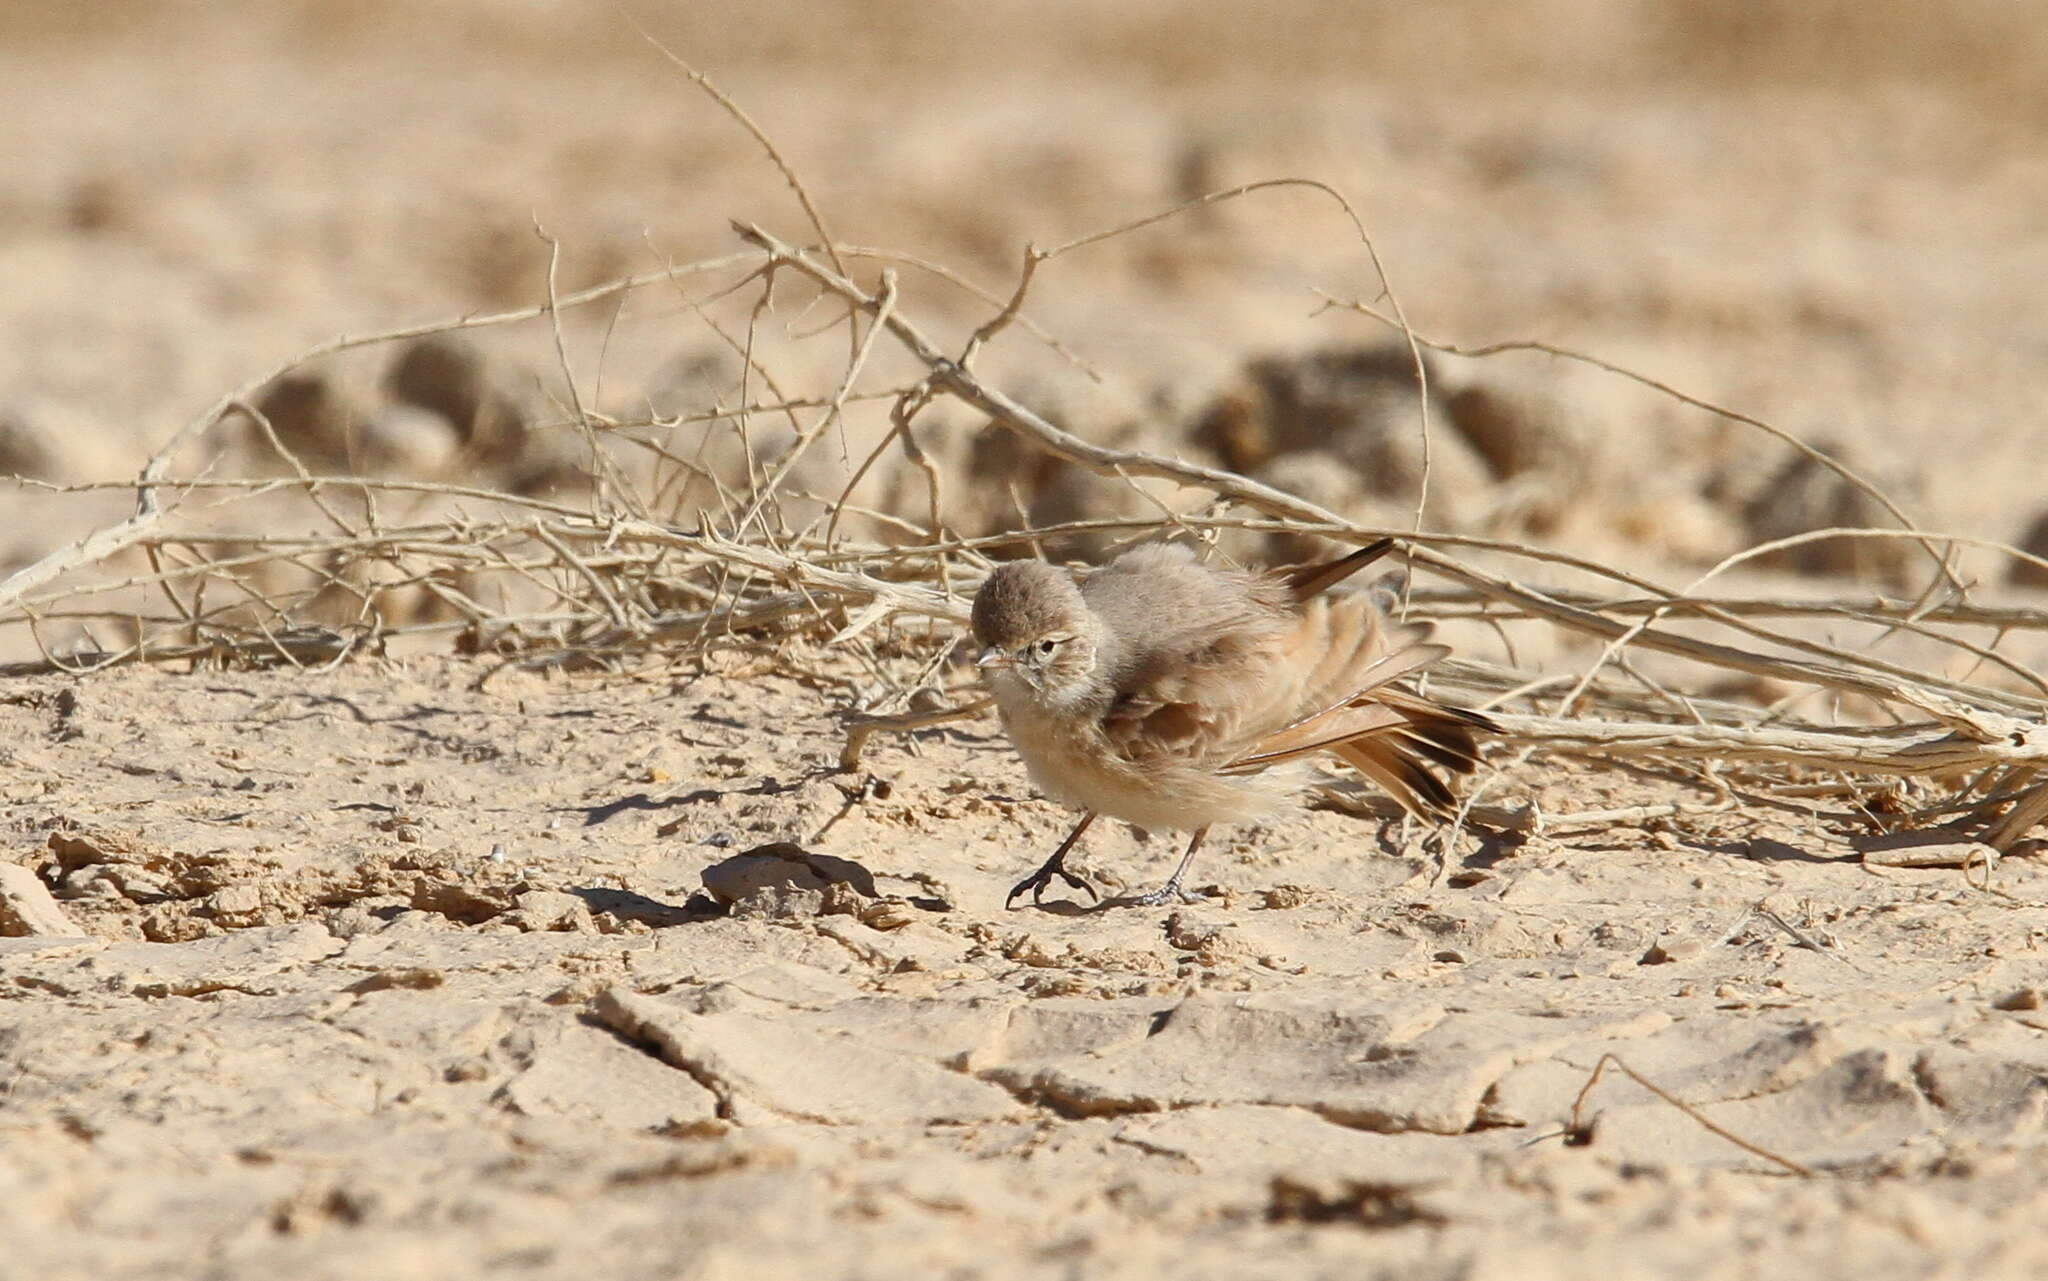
pixel 382 975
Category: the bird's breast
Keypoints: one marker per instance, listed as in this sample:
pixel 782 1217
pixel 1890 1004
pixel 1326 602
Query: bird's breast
pixel 1070 760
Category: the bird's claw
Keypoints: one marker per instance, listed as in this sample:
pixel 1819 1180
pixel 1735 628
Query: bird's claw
pixel 1038 880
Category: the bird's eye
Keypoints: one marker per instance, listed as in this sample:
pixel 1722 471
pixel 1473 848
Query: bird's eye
pixel 1046 646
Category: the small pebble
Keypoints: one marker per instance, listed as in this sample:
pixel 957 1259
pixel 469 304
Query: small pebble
pixel 1665 951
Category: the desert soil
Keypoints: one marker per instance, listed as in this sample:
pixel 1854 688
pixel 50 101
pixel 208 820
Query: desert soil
pixel 386 976
pixel 426 967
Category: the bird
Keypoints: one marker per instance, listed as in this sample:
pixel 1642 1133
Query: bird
pixel 1176 695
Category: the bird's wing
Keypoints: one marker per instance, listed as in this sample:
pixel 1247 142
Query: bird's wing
pixel 1344 658
pixel 1339 650
pixel 1192 652
pixel 1306 581
pixel 1400 775
pixel 1193 704
pixel 1323 732
pixel 1242 672
pixel 1365 708
pixel 1444 734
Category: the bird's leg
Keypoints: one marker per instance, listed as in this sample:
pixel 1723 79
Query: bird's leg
pixel 1171 892
pixel 1056 866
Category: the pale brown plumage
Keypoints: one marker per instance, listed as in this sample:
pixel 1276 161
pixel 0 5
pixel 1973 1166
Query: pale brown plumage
pixel 1165 692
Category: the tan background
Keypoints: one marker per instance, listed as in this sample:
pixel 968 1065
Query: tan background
pixel 385 973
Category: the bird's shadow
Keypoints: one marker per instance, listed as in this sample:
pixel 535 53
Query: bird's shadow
pixel 641 802
pixel 629 906
pixel 1073 907
pixel 1060 907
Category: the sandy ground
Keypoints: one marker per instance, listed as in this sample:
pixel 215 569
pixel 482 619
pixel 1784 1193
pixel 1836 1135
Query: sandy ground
pixel 390 977
pixel 396 971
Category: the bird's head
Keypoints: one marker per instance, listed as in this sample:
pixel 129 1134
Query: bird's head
pixel 1036 634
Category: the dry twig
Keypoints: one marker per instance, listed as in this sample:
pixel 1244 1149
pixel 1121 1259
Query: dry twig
pixel 604 580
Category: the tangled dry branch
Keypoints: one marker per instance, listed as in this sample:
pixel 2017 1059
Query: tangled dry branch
pixel 633 574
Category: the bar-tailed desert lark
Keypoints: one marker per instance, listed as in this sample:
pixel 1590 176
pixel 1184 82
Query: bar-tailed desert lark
pixel 1173 694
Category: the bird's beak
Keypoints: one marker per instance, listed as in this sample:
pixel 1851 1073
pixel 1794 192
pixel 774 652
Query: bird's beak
pixel 994 658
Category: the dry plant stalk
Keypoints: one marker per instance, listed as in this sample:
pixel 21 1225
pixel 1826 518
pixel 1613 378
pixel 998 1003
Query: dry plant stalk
pixel 1581 1129
pixel 626 578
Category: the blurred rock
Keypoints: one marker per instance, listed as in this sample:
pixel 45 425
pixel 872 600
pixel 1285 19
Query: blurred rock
pixel 549 463
pixel 1283 404
pixel 449 376
pixel 2022 573
pixel 442 374
pixel 1357 405
pixel 1804 494
pixel 313 418
pixel 1518 432
pixel 498 443
pixel 1327 481
pixel 25 448
pixel 407 440
pixel 1013 484
pixel 1014 477
pixel 100 204
pixel 686 390
pixel 332 431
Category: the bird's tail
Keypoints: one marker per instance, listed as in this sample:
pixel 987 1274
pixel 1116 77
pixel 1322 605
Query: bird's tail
pixel 1346 703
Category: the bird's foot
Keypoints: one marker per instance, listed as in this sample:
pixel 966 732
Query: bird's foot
pixel 1171 892
pixel 1038 880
